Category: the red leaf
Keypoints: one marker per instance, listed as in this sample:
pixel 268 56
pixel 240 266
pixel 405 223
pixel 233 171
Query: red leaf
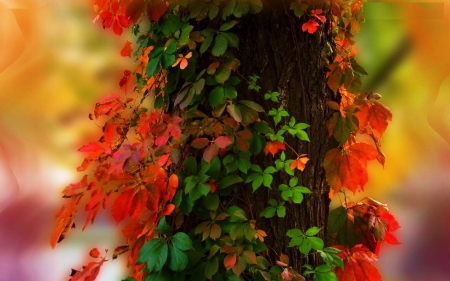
pixel 94 253
pixel 126 50
pixel 93 148
pixel 122 205
pixel 65 217
pixel 108 105
pixel 156 8
pixel 375 116
pixel 200 143
pixel 273 147
pixel 357 266
pixel 223 141
pixel 229 261
pixel 310 26
pixel 108 134
pixel 135 9
pixel 133 229
pixel 140 200
pixel 126 80
pixel 210 152
pixel 378 117
pixel 347 167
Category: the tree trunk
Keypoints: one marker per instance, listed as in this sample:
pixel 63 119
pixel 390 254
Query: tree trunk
pixel 273 46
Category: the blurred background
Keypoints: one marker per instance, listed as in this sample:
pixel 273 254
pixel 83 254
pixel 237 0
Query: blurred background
pixel 55 64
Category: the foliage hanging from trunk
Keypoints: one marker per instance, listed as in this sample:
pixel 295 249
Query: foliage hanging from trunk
pixel 181 148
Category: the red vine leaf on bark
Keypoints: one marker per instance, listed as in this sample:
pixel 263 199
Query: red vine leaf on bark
pixel 357 266
pixel 368 223
pixel 154 8
pixel 375 116
pixel 299 163
pixel 273 147
pixel 348 167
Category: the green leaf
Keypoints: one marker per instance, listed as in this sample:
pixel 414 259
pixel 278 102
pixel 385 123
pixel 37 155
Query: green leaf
pixel 153 66
pixel 316 243
pixel 267 180
pixel 281 211
pixel 211 201
pixel 305 247
pixel 206 43
pixel 220 45
pixel 228 25
pixel 229 180
pixel 185 32
pixel 294 233
pixel 242 8
pixel 154 253
pixel 234 111
pixel 341 131
pixel 230 92
pixel 216 96
pixel 177 259
pixel 237 231
pixel 244 165
pixel 167 60
pixel 222 74
pixel 236 214
pixel 171 48
pixel 252 105
pixel 232 39
pixel 297 196
pixel 286 195
pixel 268 212
pixel 190 164
pixel 182 241
pixel 228 9
pixel 257 182
pixel 170 25
pixel 312 231
pixel 211 267
pixel 255 6
pixel 270 170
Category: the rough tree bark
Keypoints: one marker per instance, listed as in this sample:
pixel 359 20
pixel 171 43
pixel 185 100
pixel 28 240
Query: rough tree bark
pixel 273 46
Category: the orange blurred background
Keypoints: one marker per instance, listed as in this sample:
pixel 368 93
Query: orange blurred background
pixel 55 64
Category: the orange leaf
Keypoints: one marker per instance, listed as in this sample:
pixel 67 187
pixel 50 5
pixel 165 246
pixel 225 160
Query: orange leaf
pixel 299 163
pixel 347 167
pixel 168 209
pixel 273 147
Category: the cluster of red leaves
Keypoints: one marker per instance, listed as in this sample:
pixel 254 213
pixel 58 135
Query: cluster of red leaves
pixel 359 230
pixel 312 24
pixel 144 187
pixel 122 14
pixel 362 114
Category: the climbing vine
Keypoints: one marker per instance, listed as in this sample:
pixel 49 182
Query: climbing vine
pixel 179 146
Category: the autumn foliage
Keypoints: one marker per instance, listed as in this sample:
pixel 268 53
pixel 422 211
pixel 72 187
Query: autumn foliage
pixel 178 140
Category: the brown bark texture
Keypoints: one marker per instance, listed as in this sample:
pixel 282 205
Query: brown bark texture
pixel 290 61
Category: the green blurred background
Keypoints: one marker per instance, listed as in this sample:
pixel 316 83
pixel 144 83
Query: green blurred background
pixel 55 64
